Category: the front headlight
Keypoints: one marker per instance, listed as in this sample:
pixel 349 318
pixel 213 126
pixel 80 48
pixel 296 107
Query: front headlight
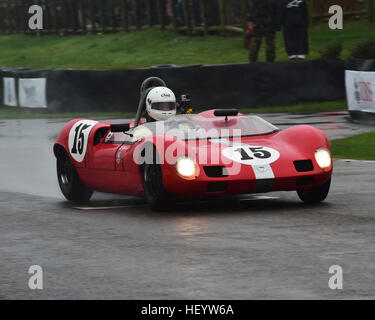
pixel 323 158
pixel 187 168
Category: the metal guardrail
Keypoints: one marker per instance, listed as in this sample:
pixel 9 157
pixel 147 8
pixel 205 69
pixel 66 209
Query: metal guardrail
pixel 189 16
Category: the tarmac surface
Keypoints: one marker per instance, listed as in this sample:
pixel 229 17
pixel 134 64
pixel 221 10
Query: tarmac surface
pixel 268 246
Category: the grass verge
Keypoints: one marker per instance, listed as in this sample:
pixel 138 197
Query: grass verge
pixel 149 47
pixel 361 147
pixel 309 107
pixel 22 113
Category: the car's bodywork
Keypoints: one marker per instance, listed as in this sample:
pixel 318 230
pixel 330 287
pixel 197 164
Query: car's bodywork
pixel 208 154
pixel 239 154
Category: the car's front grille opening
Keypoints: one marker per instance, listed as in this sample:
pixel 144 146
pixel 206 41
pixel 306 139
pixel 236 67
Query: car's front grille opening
pixel 303 165
pixel 217 186
pixel 305 181
pixel 215 171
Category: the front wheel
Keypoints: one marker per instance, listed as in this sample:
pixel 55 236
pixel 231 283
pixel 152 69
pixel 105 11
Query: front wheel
pixel 154 191
pixel 69 181
pixel 315 195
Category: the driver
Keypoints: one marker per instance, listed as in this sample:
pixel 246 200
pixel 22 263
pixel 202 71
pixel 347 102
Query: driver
pixel 160 104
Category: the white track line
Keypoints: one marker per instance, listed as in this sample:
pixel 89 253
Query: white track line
pixel 253 198
pixel 356 160
pixel 259 198
pixel 106 208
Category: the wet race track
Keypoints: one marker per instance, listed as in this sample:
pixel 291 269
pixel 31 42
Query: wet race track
pixel 266 246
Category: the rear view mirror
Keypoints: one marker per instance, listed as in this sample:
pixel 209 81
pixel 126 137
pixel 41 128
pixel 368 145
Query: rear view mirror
pixel 226 112
pixel 120 127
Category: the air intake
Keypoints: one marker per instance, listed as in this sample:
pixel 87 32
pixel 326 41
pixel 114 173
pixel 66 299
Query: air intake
pixel 304 165
pixel 215 171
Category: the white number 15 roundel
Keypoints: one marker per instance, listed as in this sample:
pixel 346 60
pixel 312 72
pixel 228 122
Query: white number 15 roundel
pixel 78 138
pixel 251 155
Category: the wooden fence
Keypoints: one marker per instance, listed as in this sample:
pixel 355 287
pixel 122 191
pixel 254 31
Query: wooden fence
pixel 188 16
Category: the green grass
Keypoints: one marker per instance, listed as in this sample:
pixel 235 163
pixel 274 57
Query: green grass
pixel 23 113
pixel 153 46
pixel 310 107
pixel 361 147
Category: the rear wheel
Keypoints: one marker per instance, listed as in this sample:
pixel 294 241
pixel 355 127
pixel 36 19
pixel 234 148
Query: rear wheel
pixel 154 191
pixel 69 181
pixel 315 195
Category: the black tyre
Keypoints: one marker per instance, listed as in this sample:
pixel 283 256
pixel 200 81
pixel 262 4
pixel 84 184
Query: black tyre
pixel 315 195
pixel 155 193
pixel 69 181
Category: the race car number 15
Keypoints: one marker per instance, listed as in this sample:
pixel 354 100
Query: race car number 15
pixel 257 152
pixel 251 155
pixel 78 138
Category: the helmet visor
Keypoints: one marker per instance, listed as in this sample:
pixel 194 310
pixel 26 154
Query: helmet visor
pixel 164 106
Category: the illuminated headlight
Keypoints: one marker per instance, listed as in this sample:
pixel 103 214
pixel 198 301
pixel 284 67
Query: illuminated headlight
pixel 323 158
pixel 187 168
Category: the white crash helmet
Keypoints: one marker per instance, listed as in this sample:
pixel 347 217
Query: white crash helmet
pixel 161 103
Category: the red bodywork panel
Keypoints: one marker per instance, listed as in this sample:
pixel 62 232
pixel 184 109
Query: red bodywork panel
pixel 111 167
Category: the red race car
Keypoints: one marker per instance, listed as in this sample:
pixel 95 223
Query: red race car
pixel 190 155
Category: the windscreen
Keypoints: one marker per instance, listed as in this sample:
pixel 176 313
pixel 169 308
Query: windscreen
pixel 192 127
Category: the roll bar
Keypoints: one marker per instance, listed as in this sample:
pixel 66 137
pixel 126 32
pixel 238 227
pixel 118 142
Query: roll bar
pixel 146 87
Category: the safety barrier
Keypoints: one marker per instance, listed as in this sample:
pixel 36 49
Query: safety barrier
pixel 215 86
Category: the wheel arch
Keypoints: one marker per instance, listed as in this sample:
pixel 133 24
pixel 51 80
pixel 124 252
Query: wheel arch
pixel 300 134
pixel 59 150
